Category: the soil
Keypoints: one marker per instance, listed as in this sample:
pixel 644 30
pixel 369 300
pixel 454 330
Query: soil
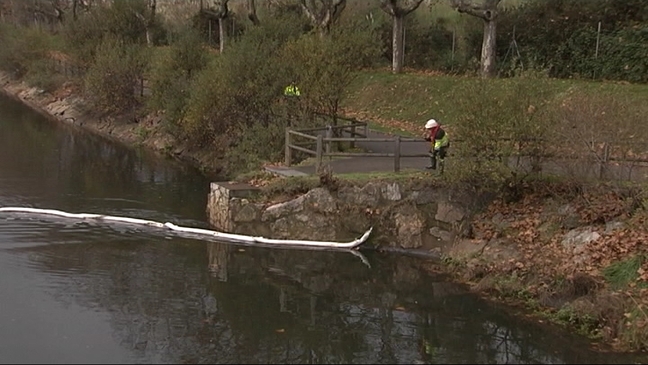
pixel 555 251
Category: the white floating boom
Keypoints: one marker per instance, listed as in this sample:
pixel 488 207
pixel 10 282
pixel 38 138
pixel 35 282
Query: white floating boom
pixel 229 237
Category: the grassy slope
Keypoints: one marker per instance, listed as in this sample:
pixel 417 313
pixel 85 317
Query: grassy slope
pixel 402 103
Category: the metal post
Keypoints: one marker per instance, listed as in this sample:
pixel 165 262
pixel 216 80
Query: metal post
pixel 598 39
pixel 288 152
pixel 397 143
pixel 318 154
pixel 402 55
pixel 453 50
pixel 353 134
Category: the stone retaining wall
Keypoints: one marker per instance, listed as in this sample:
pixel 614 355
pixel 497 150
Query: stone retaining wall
pixel 418 218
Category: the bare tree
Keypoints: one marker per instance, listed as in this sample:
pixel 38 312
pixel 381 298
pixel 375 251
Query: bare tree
pixel 488 12
pixel 398 10
pixel 252 14
pixel 323 13
pixel 219 11
pixel 148 20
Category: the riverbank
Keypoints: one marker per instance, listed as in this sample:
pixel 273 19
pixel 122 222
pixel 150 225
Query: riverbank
pixel 564 252
pixel 67 105
pixel 572 254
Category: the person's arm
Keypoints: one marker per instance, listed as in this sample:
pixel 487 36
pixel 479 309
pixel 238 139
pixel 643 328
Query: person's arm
pixel 438 139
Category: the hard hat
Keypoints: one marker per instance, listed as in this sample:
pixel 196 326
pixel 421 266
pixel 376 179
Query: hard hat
pixel 431 124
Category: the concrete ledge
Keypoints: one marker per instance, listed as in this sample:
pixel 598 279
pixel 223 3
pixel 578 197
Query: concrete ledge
pixel 284 171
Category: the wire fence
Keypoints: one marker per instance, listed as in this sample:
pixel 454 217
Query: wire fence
pixel 590 52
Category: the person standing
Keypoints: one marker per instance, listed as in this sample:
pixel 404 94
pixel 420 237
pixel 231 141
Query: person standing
pixel 439 141
pixel 292 94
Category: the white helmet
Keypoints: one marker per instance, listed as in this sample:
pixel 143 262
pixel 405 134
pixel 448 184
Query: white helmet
pixel 431 124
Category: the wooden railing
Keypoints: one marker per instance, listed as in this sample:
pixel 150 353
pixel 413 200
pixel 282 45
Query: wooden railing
pixel 320 142
pixel 323 149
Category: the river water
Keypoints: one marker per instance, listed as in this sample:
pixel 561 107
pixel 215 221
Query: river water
pixel 79 292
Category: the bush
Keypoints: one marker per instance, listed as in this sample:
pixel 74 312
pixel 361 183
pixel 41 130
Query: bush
pixel 22 48
pixel 324 66
pixel 499 120
pixel 171 74
pixel 582 114
pixel 256 144
pixel 111 80
pixel 118 21
pixel 562 36
pixel 242 87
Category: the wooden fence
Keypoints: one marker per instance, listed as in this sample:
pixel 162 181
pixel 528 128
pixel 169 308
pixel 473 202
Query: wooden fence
pixel 607 160
pixel 326 145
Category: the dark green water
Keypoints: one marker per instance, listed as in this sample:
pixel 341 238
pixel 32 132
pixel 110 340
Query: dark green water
pixel 73 292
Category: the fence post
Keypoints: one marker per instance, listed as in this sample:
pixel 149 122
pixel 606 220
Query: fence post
pixel 288 152
pixel 604 160
pixel 397 144
pixel 353 130
pixel 318 153
pixel 329 134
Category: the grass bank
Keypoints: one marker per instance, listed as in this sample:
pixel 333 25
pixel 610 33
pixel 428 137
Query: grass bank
pixel 402 103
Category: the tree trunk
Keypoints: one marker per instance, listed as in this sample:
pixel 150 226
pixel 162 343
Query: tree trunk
pixel 488 12
pixel 75 4
pixel 398 46
pixel 252 14
pixel 222 33
pixel 398 11
pixel 488 53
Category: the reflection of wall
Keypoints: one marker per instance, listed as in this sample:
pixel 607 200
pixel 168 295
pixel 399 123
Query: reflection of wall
pixel 218 254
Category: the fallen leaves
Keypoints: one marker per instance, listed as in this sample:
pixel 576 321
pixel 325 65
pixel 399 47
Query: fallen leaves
pixel 519 224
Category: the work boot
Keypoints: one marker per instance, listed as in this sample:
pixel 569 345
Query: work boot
pixel 432 165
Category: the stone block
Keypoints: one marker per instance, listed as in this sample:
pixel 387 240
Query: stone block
pixel 448 213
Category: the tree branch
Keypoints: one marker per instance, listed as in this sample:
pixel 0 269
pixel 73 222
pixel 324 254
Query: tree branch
pixel 486 11
pixel 252 15
pixel 324 14
pixel 392 7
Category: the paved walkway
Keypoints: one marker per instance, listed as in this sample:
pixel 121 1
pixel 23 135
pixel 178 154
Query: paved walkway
pixel 368 164
pixel 584 168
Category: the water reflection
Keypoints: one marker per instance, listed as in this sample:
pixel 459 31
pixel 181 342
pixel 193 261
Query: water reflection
pixel 52 166
pixel 280 306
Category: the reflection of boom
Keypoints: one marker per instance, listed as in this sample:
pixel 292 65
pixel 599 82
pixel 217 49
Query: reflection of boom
pixel 228 237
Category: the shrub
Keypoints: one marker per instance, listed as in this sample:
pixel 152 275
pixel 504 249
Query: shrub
pixel 118 21
pixel 324 66
pixel 499 120
pixel 111 80
pixel 21 48
pixel 171 73
pixel 561 36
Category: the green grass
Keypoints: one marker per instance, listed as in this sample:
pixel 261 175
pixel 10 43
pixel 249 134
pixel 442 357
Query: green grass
pixel 397 103
pixel 622 273
pixel 406 174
